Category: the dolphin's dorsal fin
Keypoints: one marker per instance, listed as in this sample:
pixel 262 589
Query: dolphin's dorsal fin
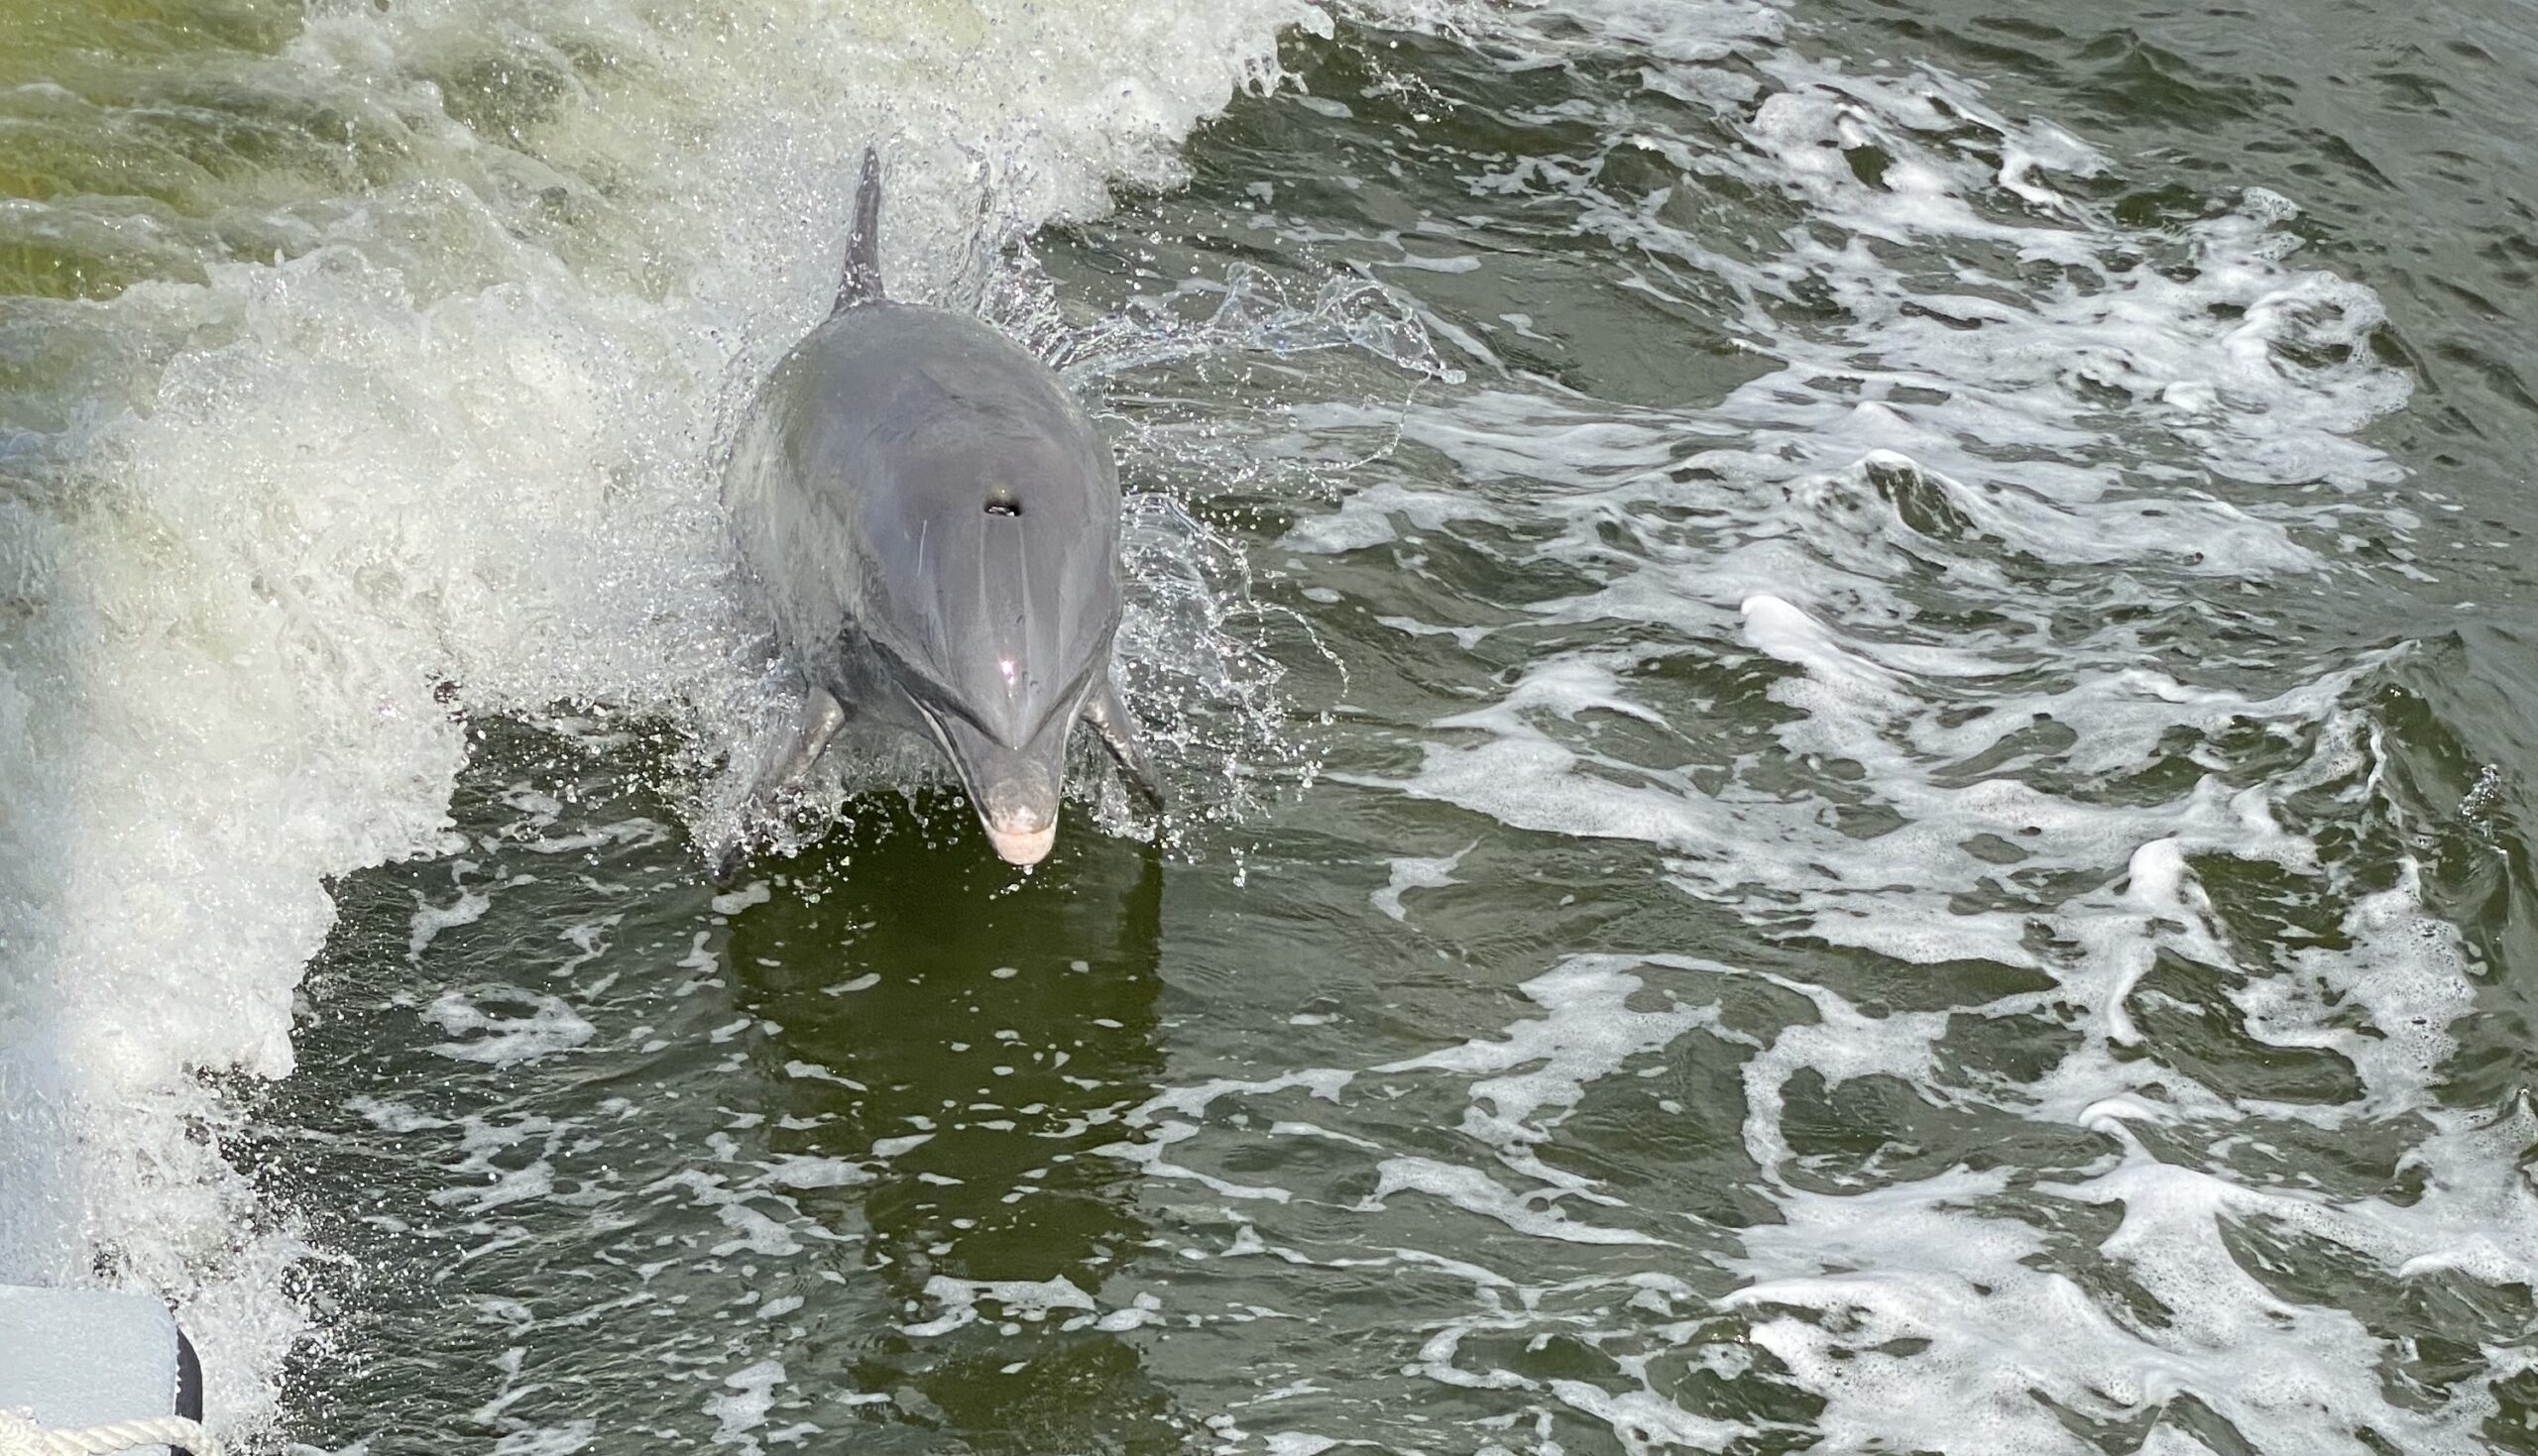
pixel 861 283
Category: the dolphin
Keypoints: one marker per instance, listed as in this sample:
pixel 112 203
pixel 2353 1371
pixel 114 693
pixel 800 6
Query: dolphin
pixel 932 525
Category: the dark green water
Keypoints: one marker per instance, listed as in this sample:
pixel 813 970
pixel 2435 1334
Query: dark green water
pixel 1849 687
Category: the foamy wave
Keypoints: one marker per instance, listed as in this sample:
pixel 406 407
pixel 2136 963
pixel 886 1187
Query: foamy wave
pixel 451 453
pixel 1917 663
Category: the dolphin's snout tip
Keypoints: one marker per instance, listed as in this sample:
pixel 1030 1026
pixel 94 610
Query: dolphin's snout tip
pixel 1020 812
pixel 1024 848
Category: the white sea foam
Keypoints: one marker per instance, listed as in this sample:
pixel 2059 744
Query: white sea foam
pixel 2003 432
pixel 1411 872
pixel 750 1394
pixel 1028 1301
pixel 551 1025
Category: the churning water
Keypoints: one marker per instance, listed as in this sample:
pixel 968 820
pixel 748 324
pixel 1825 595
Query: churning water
pixel 1849 690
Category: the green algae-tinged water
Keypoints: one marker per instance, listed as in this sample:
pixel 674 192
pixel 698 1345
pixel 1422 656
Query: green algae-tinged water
pixel 1850 690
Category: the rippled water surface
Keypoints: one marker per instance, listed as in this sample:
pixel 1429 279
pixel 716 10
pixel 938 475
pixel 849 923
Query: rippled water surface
pixel 1848 687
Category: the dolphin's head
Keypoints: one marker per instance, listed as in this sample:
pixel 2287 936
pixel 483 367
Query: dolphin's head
pixel 992 597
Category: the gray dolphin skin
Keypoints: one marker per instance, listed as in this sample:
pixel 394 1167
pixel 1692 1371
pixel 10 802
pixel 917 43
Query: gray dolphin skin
pixel 935 528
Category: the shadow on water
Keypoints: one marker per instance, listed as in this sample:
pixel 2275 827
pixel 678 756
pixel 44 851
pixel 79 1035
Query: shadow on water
pixel 995 1027
pixel 630 1162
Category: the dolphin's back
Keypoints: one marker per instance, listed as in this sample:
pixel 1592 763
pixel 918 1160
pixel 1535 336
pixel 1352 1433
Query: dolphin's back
pixel 915 481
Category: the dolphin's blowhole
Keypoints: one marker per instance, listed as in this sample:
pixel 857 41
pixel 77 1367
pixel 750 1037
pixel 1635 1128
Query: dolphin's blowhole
pixel 1002 502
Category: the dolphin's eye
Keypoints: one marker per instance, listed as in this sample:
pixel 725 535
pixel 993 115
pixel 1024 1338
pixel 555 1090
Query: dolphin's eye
pixel 1003 503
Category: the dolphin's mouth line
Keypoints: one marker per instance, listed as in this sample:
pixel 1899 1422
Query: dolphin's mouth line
pixel 942 740
pixel 934 701
pixel 930 697
pixel 933 720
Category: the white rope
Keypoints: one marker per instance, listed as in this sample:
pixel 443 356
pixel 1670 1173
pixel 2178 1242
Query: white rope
pixel 21 1436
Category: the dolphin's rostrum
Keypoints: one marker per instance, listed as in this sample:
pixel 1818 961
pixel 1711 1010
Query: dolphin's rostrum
pixel 935 528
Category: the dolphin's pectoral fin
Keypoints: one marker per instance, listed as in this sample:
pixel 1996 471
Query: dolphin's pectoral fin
pixel 821 721
pixel 1112 720
pixel 822 717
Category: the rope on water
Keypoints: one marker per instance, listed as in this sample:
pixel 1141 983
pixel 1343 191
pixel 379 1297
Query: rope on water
pixel 21 1436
